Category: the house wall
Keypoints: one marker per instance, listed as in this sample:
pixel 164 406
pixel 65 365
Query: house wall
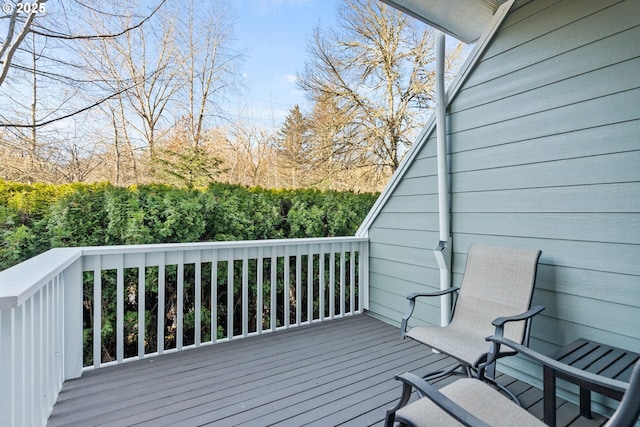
pixel 545 153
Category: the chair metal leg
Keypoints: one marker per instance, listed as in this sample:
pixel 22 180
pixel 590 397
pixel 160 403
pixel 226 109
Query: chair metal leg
pixel 444 372
pixel 503 389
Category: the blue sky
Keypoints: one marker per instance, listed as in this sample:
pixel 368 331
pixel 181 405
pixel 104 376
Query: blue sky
pixel 274 35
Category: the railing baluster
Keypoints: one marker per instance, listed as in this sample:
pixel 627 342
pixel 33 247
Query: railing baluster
pixel 180 303
pixel 214 295
pixel 298 285
pixel 332 283
pixel 5 363
pixel 287 285
pixel 274 289
pixel 230 292
pixel 259 286
pixel 60 286
pixel 309 285
pixel 198 297
pixel 321 283
pixel 97 312
pixel 141 305
pixel 19 365
pixel 245 292
pixel 38 388
pixel 342 279
pixel 161 308
pixel 51 313
pixel 28 347
pixel 120 310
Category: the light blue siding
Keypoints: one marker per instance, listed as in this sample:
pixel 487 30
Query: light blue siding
pixel 545 153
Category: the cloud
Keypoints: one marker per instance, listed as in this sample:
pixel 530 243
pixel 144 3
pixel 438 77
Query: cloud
pixel 291 78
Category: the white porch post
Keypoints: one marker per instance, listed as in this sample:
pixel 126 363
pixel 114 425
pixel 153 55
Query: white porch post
pixel 72 277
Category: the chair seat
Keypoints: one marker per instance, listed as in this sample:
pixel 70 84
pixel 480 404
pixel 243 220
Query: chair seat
pixel 477 398
pixel 466 347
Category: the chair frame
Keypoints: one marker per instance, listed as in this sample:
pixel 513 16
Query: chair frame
pixel 625 415
pixel 498 322
pixel 481 370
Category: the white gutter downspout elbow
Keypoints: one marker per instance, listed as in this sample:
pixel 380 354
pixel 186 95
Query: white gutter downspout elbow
pixel 443 251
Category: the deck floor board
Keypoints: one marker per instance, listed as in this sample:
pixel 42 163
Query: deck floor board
pixel 338 372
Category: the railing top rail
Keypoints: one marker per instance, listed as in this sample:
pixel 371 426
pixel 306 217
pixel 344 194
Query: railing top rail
pixel 162 247
pixel 19 282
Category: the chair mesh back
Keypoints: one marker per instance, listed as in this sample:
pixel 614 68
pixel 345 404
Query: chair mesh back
pixel 497 282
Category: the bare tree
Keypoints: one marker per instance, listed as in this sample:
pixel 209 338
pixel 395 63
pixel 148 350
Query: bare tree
pixel 19 17
pixel 207 63
pixel 40 61
pixel 180 67
pixel 246 152
pixel 378 70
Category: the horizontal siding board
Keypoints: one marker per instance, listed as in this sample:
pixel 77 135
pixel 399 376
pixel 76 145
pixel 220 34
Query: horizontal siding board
pixel 507 54
pixel 612 287
pixel 418 239
pixel 401 254
pixel 593 312
pixel 618 197
pixel 584 87
pixel 591 114
pixel 407 221
pixel 395 305
pixel 613 168
pixel 427 184
pixel 426 166
pixel 571 63
pixel 416 203
pixel 614 138
pixel 538 19
pixel 604 257
pixel 605 228
pixel 559 332
pixel 409 274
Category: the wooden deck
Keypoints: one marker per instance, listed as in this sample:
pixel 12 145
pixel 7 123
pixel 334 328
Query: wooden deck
pixel 333 373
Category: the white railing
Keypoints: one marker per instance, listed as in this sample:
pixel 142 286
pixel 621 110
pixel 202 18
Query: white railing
pixel 138 301
pixel 40 334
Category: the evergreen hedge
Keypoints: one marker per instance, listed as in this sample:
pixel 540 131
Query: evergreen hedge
pixel 36 218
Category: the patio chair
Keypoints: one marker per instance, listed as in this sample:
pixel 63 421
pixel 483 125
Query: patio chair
pixel 474 403
pixel 494 298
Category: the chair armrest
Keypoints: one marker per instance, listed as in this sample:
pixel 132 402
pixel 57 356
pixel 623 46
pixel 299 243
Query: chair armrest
pixel 559 366
pixel 414 295
pixel 412 304
pixel 442 401
pixel 494 352
pixel 501 321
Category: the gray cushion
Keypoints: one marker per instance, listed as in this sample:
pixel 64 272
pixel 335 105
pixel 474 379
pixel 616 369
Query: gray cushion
pixel 477 398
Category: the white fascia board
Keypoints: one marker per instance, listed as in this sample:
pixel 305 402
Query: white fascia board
pixel 454 88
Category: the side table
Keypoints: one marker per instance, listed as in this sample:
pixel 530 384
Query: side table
pixel 593 357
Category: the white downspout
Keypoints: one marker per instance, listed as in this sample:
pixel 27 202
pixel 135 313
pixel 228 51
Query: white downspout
pixel 443 251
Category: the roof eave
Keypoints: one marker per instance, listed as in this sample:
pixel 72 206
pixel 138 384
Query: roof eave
pixel 466 20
